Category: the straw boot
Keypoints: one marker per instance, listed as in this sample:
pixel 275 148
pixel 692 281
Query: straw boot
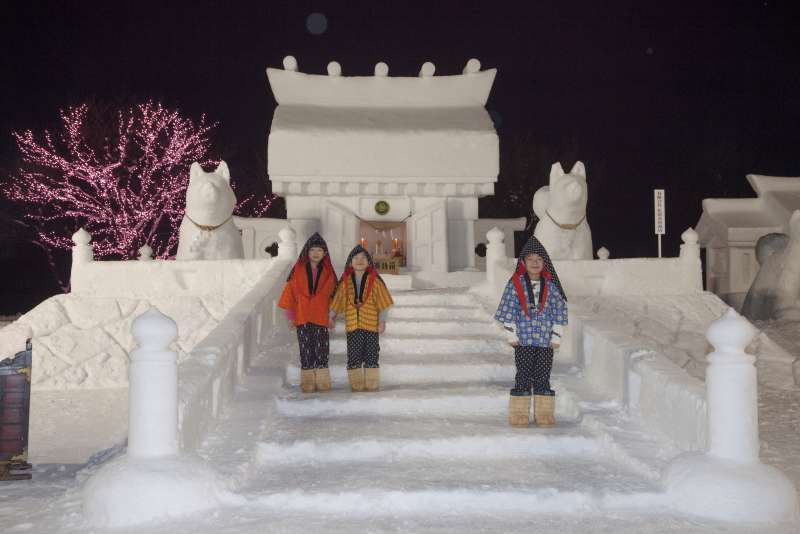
pixel 544 407
pixel 322 379
pixel 356 378
pixel 307 380
pixel 519 409
pixel 372 378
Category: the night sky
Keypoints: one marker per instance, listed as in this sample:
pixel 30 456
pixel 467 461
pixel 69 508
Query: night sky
pixel 684 96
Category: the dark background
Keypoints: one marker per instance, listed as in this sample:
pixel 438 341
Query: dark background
pixel 684 96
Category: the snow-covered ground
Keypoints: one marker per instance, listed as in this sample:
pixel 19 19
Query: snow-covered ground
pixel 430 452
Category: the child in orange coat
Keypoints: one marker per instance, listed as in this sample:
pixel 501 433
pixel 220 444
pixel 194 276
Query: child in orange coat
pixel 306 299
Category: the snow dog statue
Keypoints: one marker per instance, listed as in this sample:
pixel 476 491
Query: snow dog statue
pixel 207 231
pixel 561 209
pixel 775 290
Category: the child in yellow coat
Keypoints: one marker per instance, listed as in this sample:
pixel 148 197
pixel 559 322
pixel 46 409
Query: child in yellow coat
pixel 364 299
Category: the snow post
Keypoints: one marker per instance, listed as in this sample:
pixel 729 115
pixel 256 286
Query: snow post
pixel 82 252
pixel 153 387
pixel 729 482
pixel 690 259
pixel 153 481
pixel 287 248
pixel 495 253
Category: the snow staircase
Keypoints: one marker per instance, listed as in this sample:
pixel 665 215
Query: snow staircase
pixel 433 446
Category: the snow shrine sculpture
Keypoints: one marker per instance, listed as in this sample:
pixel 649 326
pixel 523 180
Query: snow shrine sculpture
pixel 152 481
pixel 407 156
pixel 729 482
pixel 561 209
pixel 775 292
pixel 207 231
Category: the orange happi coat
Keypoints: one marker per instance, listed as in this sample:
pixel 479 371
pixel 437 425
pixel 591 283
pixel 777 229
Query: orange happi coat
pixel 297 295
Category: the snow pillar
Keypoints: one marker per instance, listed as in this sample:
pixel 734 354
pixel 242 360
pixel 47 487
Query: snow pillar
pixel 728 482
pixel 82 252
pixel 152 482
pixel 732 390
pixel 690 260
pixel 153 387
pixel 495 252
pixel 287 248
pixel 471 246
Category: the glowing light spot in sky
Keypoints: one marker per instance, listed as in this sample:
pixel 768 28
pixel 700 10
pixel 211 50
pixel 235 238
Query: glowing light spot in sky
pixel 649 51
pixel 316 23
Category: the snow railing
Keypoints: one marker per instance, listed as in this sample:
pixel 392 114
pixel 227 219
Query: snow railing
pixel 244 292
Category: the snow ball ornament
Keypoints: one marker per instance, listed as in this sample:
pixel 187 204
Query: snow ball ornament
pixel 334 69
pixel 427 70
pixel 154 330
pixel 603 253
pixel 290 63
pixel 81 237
pixel 731 333
pixel 145 253
pixel 472 66
pixel 381 69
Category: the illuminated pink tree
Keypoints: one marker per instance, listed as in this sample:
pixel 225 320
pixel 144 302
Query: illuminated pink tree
pixel 126 184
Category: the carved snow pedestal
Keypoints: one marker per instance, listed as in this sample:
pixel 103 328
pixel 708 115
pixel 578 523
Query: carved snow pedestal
pixel 728 482
pixel 153 480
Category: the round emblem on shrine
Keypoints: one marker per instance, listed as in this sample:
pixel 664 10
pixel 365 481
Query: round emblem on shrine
pixel 382 207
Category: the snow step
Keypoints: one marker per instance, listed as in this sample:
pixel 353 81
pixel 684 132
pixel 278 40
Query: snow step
pixel 501 504
pixel 434 298
pixel 417 344
pixel 429 327
pixel 415 372
pixel 512 444
pixel 464 402
pixel 436 312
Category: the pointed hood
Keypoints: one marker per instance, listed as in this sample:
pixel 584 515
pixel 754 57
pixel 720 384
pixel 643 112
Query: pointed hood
pixel 371 272
pixel 315 240
pixel 534 246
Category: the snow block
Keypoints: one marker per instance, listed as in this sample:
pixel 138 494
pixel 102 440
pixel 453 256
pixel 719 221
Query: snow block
pixel 128 491
pixel 726 490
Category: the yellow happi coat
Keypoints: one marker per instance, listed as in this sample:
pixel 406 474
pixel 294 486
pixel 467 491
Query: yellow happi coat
pixel 366 316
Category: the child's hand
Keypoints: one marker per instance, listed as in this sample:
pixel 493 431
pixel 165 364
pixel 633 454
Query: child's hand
pixel 554 346
pixel 292 326
pixel 332 322
pixel 514 343
pixel 381 327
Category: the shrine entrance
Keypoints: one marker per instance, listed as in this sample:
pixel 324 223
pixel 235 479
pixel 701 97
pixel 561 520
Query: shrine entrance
pixel 387 243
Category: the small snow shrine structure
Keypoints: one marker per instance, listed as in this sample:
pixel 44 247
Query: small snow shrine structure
pixel 394 163
pixel 730 227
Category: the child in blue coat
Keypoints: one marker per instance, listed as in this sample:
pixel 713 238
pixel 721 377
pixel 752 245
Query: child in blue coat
pixel 532 310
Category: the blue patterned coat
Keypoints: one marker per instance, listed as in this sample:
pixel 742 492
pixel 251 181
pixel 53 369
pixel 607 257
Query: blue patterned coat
pixel 534 330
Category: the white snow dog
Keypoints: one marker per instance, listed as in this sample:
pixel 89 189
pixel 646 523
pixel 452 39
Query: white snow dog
pixel 561 209
pixel 207 231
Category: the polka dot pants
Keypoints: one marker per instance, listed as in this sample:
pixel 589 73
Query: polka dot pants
pixel 533 369
pixel 362 349
pixel 314 346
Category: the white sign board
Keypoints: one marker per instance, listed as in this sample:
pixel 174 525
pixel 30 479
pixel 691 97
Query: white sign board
pixel 660 215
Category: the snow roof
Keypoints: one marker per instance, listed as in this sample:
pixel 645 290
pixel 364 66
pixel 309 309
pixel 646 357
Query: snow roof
pixel 744 220
pixel 382 129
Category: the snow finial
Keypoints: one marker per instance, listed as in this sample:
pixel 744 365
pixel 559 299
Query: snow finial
pixel 603 253
pixel 81 237
pixel 381 69
pixel 334 69
pixel 146 253
pixel 153 330
pixel 472 66
pixel 689 236
pixel 427 70
pixel 290 63
pixel 731 333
